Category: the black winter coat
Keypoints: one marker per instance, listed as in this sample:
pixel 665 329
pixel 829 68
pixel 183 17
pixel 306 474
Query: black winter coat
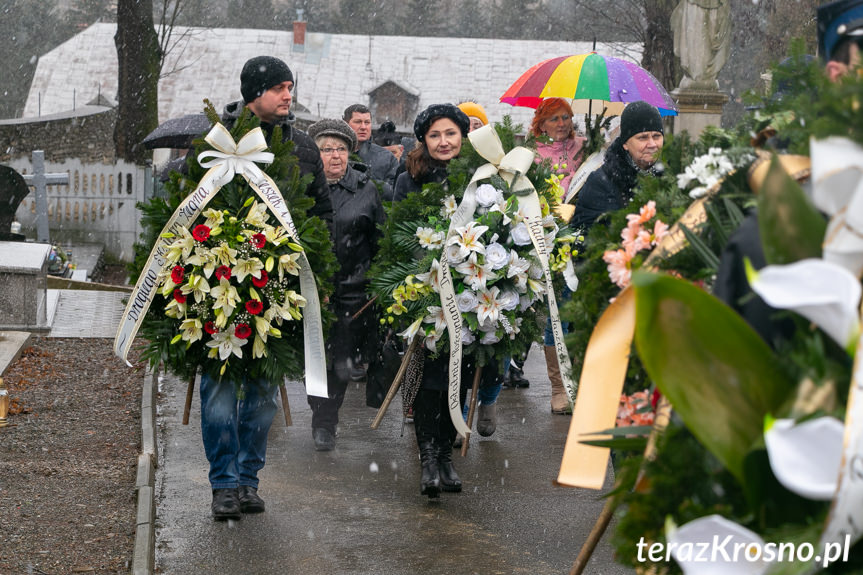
pixel 608 189
pixel 406 184
pixel 307 153
pixel 357 212
pixel 381 162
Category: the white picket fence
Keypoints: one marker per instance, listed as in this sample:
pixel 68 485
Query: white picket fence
pixel 97 206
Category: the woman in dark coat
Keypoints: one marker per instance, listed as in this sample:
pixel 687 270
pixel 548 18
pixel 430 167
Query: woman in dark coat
pixel 439 130
pixel 634 152
pixel 357 211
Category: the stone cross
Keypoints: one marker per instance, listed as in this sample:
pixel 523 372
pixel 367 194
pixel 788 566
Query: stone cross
pixel 39 180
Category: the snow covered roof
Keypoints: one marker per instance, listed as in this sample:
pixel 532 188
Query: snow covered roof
pixel 331 72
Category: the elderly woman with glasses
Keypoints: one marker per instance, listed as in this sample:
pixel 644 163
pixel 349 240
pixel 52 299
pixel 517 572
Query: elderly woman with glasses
pixel 357 211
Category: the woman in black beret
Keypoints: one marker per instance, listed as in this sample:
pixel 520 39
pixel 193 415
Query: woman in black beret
pixel 439 130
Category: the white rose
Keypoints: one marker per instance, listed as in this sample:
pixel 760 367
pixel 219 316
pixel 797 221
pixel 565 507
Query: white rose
pixel 496 255
pixel 508 300
pixel 486 195
pixel 520 234
pixel 466 301
pixel 467 337
pixel 524 302
pixel 489 338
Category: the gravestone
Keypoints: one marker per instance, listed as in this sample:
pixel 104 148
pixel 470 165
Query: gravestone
pixel 13 190
pixel 40 180
pixel 24 304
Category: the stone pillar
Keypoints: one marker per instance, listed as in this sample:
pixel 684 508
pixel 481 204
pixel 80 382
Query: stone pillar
pixel 697 109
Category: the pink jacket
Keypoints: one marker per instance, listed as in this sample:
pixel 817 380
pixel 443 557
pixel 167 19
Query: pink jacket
pixel 566 152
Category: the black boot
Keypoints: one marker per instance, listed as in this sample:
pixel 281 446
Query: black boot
pixel 430 482
pixel 426 416
pixel 449 479
pixel 226 504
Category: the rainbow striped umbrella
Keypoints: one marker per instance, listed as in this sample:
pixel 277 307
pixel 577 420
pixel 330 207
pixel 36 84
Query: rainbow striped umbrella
pixel 592 81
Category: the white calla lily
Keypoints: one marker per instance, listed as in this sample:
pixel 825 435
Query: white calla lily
pixel 822 292
pixel 732 541
pixel 806 458
pixel 837 172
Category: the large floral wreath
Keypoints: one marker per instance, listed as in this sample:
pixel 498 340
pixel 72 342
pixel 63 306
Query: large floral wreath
pixel 228 300
pixel 497 275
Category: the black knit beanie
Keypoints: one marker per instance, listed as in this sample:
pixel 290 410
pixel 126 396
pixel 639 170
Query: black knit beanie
pixel 260 74
pixel 435 111
pixel 639 117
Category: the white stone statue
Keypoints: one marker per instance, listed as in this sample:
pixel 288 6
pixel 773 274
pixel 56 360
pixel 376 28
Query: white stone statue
pixel 702 41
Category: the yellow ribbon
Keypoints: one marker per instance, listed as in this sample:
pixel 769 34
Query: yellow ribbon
pixel 234 158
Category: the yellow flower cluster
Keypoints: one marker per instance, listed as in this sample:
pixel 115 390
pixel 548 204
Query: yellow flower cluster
pixel 411 290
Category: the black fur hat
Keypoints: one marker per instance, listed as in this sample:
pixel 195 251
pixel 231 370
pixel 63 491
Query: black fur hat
pixel 435 111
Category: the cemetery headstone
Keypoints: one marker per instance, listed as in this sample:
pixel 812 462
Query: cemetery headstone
pixel 13 190
pixel 23 286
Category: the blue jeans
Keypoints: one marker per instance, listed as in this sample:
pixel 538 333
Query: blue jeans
pixel 235 430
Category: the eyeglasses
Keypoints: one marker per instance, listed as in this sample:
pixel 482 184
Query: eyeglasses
pixel 330 151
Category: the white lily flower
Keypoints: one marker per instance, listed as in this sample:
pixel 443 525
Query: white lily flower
pixel 197 286
pixel 224 254
pixel 259 349
pixel 727 542
pixel 226 296
pixel 837 172
pixel 180 247
pixel 488 308
pixel 500 206
pixel 227 343
pixel 432 277
pixel 468 237
pixel 449 207
pixel 806 457
pixel 476 275
pixel 437 317
pixel 431 339
pixel 412 329
pixel 175 309
pixel 288 264
pixel 822 292
pixel 276 235
pixel 250 267
pixel 257 215
pixel 430 239
pixel 214 218
pixel 191 329
pixel 262 327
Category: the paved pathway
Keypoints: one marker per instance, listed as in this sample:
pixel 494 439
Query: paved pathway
pixel 82 313
pixel 357 510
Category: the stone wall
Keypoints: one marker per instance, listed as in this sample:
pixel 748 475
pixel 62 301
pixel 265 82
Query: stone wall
pixel 86 134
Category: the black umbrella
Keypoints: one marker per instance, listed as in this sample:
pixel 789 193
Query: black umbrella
pixel 177 132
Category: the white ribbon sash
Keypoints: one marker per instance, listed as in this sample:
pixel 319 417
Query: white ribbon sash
pixel 511 167
pixel 231 159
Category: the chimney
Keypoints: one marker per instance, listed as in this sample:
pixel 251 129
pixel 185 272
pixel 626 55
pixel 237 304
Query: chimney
pixel 299 32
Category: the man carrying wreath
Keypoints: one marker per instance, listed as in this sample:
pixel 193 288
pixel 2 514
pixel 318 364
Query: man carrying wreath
pixel 234 430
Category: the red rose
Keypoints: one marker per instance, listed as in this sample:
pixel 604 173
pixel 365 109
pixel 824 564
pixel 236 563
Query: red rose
pixel 201 232
pixel 177 274
pixel 210 328
pixel 262 281
pixel 178 295
pixel 258 240
pixel 254 306
pixel 242 331
pixel 223 272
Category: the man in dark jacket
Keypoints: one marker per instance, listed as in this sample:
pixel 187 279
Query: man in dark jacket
pixel 381 162
pixel 266 85
pixel 634 152
pixel 235 432
pixel 357 213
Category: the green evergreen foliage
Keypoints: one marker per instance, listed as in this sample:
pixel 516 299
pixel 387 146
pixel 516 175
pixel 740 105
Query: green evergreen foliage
pixel 285 355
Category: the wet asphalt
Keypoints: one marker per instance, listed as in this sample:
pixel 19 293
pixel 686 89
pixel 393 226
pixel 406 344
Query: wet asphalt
pixel 357 509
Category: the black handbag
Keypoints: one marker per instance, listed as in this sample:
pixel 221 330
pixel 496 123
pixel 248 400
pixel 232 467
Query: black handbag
pixel 382 370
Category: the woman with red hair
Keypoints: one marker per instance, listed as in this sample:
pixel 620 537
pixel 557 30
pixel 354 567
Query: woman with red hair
pixel 556 139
